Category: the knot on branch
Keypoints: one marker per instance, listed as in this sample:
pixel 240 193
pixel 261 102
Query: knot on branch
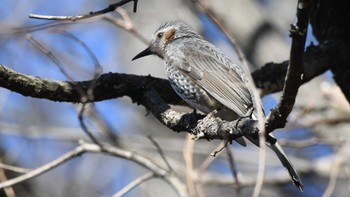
pixel 212 127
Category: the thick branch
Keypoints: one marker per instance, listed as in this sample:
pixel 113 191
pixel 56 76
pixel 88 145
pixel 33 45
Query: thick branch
pixel 317 60
pixel 330 24
pixel 155 94
pixel 208 128
pixel 278 116
pixel 108 86
pixel 270 78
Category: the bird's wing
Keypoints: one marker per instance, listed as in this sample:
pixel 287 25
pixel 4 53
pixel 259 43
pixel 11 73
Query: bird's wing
pixel 215 73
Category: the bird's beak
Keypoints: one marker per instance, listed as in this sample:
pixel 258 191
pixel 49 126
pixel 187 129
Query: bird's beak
pixel 147 51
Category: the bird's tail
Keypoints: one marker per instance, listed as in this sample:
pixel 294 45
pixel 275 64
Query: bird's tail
pixel 287 164
pixel 272 143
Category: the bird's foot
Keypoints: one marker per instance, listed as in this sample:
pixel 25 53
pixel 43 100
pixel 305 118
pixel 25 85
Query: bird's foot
pixel 247 115
pixel 194 112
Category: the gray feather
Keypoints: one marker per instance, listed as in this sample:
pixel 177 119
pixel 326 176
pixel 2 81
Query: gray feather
pixel 217 76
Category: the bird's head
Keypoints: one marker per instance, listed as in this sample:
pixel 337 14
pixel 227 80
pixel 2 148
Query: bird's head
pixel 164 35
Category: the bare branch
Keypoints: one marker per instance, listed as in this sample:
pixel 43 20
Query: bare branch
pixel 278 116
pixel 97 65
pixel 9 192
pixel 126 24
pixel 14 168
pixel 56 61
pixel 108 86
pixel 86 95
pixel 214 18
pixel 85 128
pixel 110 8
pixel 38 171
pixel 333 176
pixel 261 167
pixel 188 156
pixel 316 62
pixel 310 142
pixel 161 153
pixel 231 162
pixel 109 150
pixel 270 78
pixel 134 184
pixel 49 54
pixel 142 90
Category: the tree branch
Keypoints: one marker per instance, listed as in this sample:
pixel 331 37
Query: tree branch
pixel 109 150
pixel 278 116
pixel 155 94
pixel 108 86
pixel 110 8
pixel 152 93
pixel 270 78
pixel 134 184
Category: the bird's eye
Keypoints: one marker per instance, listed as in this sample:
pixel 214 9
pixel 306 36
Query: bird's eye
pixel 160 35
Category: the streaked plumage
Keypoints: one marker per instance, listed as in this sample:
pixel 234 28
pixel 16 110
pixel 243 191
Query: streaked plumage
pixel 224 84
pixel 207 80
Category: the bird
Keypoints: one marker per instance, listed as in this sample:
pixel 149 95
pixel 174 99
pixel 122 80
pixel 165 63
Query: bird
pixel 204 77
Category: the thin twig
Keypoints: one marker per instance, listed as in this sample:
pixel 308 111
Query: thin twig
pixel 9 192
pixel 50 55
pixel 261 168
pixel 134 184
pixel 161 153
pixel 104 126
pixel 126 23
pixel 14 168
pixel 217 151
pixel 85 96
pixel 233 41
pixel 98 68
pixel 333 176
pixel 38 171
pixel 110 8
pixel 84 147
pixel 188 155
pixel 311 142
pixel 89 91
pixel 57 62
pixel 347 173
pixel 33 28
pixel 262 142
pixel 85 127
pixel 231 162
pixel 206 163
